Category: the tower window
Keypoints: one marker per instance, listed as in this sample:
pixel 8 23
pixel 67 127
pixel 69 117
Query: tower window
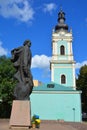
pixel 63 79
pixel 62 50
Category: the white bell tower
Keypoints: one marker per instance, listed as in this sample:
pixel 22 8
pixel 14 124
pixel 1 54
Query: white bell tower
pixel 62 62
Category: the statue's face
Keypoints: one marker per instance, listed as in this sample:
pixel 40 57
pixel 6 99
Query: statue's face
pixel 29 44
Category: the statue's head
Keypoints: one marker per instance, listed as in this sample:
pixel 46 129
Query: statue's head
pixel 27 42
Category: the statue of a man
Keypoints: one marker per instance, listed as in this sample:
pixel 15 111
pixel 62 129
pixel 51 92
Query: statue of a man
pixel 21 58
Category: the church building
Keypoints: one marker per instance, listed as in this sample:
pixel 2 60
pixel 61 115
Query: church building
pixel 59 99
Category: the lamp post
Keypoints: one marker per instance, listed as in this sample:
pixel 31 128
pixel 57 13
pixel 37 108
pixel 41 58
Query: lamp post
pixel 74 114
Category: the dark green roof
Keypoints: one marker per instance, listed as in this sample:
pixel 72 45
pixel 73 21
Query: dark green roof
pixel 52 87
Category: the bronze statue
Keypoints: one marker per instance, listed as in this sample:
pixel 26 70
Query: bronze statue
pixel 21 58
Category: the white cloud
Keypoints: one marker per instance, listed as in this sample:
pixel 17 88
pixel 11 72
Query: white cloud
pixel 19 9
pixel 40 61
pixel 49 7
pixel 43 61
pixel 79 65
pixel 3 51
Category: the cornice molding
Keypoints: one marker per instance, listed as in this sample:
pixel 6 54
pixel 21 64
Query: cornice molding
pixel 57 92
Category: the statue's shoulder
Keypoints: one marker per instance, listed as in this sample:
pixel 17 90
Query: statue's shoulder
pixel 17 49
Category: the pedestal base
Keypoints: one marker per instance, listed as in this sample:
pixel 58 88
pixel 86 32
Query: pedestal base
pixel 20 114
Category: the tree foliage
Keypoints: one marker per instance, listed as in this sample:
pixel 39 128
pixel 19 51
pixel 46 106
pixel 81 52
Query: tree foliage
pixel 81 83
pixel 6 86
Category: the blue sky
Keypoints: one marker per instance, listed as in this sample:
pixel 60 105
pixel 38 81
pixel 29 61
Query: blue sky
pixel 34 20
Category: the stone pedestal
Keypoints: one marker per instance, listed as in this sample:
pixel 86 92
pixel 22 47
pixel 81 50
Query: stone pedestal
pixel 20 114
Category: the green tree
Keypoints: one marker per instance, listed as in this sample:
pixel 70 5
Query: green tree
pixel 81 83
pixel 6 86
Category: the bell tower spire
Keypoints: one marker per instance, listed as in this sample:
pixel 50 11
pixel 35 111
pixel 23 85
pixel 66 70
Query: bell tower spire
pixel 61 22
